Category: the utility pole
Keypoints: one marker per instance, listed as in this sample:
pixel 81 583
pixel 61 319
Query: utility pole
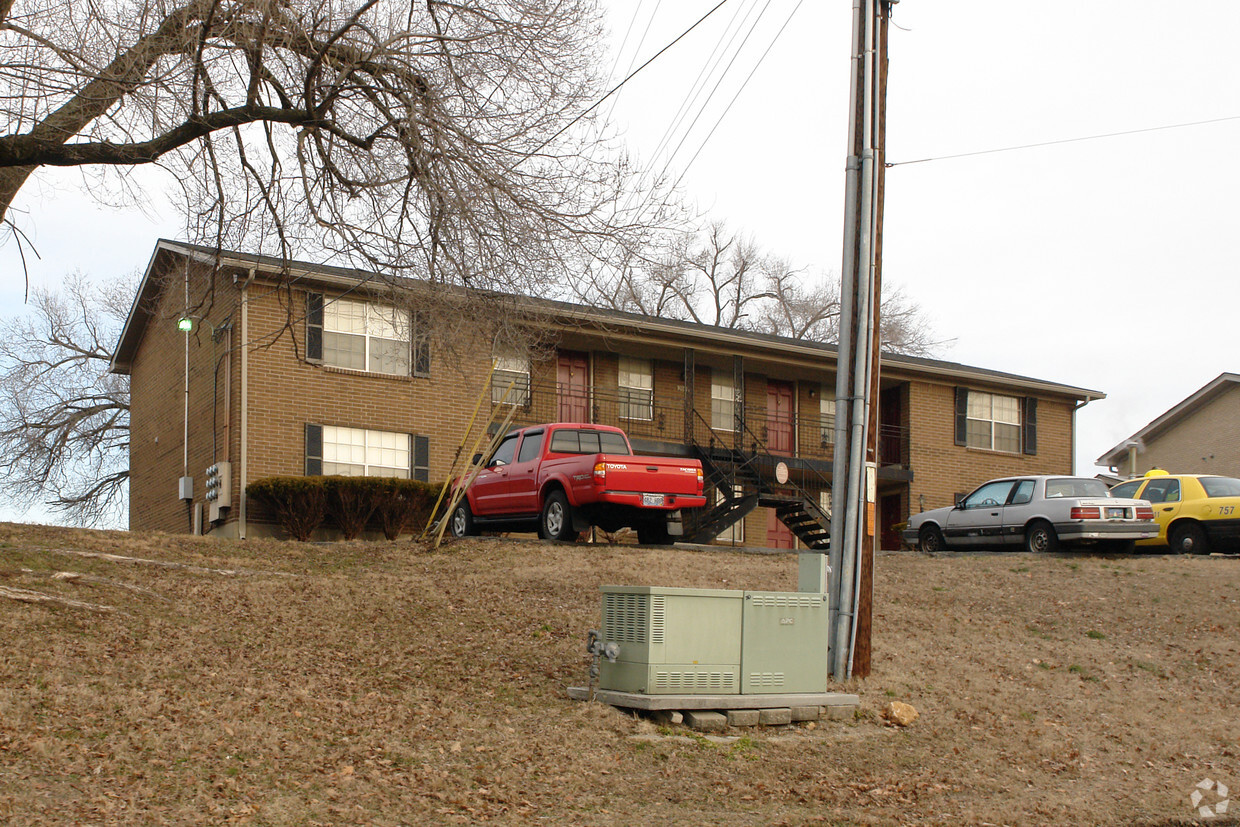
pixel 855 464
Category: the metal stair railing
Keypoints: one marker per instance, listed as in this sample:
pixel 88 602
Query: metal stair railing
pixel 723 515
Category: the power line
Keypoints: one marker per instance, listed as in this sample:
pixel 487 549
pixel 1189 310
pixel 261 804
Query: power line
pixel 748 78
pixel 1063 141
pixel 631 75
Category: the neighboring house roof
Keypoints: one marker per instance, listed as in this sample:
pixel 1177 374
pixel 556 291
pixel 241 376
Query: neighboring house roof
pixel 1220 385
pixel 306 272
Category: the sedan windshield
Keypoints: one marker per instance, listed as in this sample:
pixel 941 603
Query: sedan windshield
pixel 1075 487
pixel 1220 486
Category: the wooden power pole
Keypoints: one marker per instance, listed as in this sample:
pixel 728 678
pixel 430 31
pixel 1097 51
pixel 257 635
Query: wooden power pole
pixel 854 518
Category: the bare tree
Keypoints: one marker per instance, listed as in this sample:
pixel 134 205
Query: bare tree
pixel 719 277
pixel 64 420
pixel 447 140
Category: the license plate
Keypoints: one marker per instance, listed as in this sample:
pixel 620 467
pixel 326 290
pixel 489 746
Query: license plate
pixel 652 499
pixel 1115 514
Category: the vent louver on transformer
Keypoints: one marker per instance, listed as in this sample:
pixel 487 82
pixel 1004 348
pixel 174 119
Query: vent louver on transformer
pixel 695 682
pixel 634 618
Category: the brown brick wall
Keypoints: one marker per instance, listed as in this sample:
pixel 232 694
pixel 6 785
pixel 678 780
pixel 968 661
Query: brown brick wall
pixel 1205 441
pixel 157 409
pixel 942 469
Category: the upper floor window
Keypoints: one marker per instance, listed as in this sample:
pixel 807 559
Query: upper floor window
pixel 366 336
pixel 510 381
pixel 636 396
pixel 996 422
pixel 722 401
pixel 826 415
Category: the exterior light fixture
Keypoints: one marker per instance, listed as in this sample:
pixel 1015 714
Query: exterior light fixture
pixel 185 323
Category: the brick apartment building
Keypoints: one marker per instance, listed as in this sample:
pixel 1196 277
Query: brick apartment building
pixel 297 368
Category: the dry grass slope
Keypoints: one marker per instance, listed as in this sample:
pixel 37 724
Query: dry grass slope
pixel 373 683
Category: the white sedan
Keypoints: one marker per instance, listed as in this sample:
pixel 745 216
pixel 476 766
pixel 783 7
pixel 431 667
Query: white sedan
pixel 1038 512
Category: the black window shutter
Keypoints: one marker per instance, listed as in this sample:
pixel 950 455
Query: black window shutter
pixel 421 458
pixel 1031 425
pixel 962 416
pixel 314 326
pixel 314 450
pixel 421 346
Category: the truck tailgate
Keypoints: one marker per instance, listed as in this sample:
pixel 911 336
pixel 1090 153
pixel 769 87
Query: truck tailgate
pixel 650 475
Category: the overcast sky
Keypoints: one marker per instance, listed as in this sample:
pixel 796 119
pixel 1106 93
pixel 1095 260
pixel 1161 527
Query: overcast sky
pixel 1107 264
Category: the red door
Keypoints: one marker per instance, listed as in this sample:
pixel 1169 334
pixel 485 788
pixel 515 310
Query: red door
pixel 572 387
pixel 779 417
pixel 778 535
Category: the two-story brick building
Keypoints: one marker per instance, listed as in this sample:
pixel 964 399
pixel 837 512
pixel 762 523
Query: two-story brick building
pixel 296 368
pixel 1199 435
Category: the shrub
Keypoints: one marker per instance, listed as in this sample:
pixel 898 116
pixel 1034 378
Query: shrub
pixel 301 503
pixel 350 502
pixel 298 503
pixel 403 504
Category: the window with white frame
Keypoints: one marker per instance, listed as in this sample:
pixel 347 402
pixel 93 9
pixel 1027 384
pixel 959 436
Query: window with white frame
pixel 510 381
pixel 734 533
pixel 993 422
pixel 365 336
pixel 722 401
pixel 636 391
pixel 826 414
pixel 360 452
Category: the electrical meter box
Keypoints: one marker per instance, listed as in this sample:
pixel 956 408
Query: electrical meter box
pixel 673 641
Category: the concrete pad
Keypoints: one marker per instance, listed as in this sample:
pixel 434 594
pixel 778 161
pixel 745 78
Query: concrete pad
pixel 633 700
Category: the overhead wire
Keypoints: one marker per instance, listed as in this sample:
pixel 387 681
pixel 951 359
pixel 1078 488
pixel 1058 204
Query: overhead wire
pixel 1063 141
pixel 709 66
pixel 630 76
pixel 636 49
pixel 718 83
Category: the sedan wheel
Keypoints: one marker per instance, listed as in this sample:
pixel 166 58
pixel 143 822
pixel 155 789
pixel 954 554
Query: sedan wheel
pixel 1188 538
pixel 1040 538
pixel 930 539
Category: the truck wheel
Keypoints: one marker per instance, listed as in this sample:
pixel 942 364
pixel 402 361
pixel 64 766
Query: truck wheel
pixel 1040 538
pixel 462 523
pixel 1188 538
pixel 654 534
pixel 556 522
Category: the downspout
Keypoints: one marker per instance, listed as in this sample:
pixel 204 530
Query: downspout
pixel 243 474
pixel 189 504
pixel 1076 408
pixel 185 421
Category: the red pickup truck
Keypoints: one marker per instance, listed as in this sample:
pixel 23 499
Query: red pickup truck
pixel 565 477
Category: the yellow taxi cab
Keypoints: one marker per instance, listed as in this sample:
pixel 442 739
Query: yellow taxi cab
pixel 1196 513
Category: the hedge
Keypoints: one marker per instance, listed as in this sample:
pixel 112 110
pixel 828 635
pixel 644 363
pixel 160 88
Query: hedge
pixel 302 504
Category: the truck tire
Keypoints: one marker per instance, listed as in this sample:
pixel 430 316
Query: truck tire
pixel 462 522
pixel 654 534
pixel 556 520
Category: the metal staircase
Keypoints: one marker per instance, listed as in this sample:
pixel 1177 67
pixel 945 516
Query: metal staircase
pixel 729 470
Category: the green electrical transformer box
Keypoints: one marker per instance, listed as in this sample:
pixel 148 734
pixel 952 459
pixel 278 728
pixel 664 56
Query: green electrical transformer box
pixel 672 641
